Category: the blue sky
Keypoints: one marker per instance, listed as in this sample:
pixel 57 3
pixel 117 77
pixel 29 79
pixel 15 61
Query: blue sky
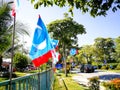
pixel 101 26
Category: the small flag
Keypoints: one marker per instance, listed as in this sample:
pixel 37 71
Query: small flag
pixel 73 51
pixel 54 43
pixel 41 46
pixel 15 7
pixel 56 57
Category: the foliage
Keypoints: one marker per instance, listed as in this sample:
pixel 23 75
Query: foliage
pixel 113 84
pixel 5 17
pixel 94 83
pixel 105 67
pixel 118 67
pixel 20 31
pixel 117 49
pixel 66 31
pixel 20 60
pixel 5 21
pixel 113 65
pixel 104 48
pixel 94 7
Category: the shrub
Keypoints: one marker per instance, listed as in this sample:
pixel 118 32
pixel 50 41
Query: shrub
pixel 94 83
pixel 105 67
pixel 99 66
pixel 113 84
pixel 118 67
pixel 114 65
pixel 20 61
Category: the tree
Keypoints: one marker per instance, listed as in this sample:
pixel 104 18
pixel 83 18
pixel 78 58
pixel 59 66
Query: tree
pixel 105 46
pixel 85 54
pixel 66 31
pixel 6 30
pixel 20 30
pixel 20 60
pixel 5 21
pixel 95 7
pixel 117 49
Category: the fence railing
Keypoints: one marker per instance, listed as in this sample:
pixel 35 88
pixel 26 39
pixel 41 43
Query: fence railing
pixel 37 81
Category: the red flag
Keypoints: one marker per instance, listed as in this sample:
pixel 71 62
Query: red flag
pixel 13 12
pixel 15 6
pixel 42 59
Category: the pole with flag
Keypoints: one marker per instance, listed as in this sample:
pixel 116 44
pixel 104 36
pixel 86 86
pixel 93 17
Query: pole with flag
pixel 13 37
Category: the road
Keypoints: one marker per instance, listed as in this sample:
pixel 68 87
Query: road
pixel 82 78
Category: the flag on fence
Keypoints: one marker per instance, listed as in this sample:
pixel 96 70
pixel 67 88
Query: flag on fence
pixel 55 55
pixel 15 6
pixel 41 46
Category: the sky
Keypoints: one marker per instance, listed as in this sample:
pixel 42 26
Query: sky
pixel 100 26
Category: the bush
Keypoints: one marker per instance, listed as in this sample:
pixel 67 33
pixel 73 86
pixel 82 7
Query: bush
pixel 118 67
pixel 20 61
pixel 113 84
pixel 99 66
pixel 105 67
pixel 94 83
pixel 113 65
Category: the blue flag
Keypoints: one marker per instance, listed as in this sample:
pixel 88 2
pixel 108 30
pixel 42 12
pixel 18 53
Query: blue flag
pixel 54 43
pixel 41 44
pixel 73 51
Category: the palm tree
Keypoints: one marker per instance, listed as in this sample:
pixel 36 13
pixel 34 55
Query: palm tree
pixel 20 30
pixel 5 21
pixel 6 28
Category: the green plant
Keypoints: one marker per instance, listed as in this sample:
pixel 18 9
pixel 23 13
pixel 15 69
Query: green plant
pixel 20 60
pixel 105 67
pixel 118 67
pixel 113 84
pixel 99 66
pixel 94 83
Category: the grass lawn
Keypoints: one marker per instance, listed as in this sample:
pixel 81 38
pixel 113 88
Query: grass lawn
pixel 66 83
pixel 19 74
pixel 117 71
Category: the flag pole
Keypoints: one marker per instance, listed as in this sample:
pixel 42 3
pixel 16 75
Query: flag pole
pixel 39 78
pixel 46 75
pixel 12 52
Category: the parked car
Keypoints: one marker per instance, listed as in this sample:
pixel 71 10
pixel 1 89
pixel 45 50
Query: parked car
pixel 86 68
pixel 30 67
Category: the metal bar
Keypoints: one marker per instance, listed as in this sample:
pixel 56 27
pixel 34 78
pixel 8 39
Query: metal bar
pixel 12 53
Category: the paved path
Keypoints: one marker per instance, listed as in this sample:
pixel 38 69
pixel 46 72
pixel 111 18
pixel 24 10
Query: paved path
pixel 82 78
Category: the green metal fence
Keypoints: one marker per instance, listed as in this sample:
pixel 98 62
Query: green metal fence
pixel 37 81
